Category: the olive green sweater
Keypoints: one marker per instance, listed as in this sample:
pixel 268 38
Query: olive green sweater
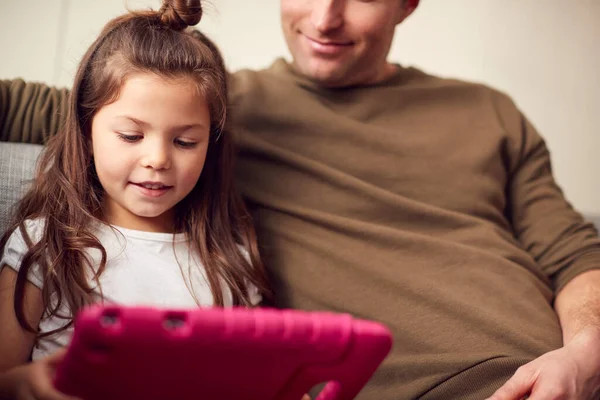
pixel 424 203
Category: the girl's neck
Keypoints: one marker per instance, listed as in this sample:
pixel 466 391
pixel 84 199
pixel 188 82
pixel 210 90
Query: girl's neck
pixel 159 224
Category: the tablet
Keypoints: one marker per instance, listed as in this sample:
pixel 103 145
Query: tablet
pixel 234 353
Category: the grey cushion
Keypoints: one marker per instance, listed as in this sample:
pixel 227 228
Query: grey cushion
pixel 594 219
pixel 17 166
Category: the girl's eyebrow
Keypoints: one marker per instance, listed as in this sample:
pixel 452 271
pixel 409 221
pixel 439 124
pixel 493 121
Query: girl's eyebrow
pixel 179 128
pixel 134 120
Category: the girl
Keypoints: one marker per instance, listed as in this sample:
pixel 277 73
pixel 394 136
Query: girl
pixel 133 201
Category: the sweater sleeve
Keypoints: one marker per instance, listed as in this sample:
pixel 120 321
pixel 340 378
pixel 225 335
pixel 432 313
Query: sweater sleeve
pixel 557 237
pixel 30 112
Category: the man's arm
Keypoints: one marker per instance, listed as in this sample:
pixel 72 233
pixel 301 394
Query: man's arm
pixel 563 244
pixel 567 249
pixel 573 371
pixel 578 306
pixel 30 112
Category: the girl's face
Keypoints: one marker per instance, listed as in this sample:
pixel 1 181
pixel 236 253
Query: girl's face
pixel 149 148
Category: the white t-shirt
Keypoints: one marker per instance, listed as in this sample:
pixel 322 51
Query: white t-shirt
pixel 142 268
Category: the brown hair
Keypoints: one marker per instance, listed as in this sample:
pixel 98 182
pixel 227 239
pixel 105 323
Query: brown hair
pixel 67 194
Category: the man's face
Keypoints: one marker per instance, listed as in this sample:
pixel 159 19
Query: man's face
pixel 342 42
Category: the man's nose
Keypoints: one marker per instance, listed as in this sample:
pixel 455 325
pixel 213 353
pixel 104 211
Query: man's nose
pixel 328 15
pixel 157 155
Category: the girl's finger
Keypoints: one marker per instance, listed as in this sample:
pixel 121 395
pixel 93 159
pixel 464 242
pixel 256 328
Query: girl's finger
pixel 56 357
pixel 43 375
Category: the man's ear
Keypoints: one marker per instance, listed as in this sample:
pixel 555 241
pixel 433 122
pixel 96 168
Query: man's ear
pixel 408 7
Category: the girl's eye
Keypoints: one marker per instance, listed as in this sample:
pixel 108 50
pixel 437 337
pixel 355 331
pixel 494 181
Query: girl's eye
pixel 184 144
pixel 130 138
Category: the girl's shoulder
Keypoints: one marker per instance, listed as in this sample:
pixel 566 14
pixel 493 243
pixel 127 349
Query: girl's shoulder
pixel 18 245
pixel 33 229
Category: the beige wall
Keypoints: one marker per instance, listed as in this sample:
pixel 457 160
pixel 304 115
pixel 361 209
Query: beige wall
pixel 544 53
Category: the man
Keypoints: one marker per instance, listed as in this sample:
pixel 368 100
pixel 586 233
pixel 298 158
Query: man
pixel 423 203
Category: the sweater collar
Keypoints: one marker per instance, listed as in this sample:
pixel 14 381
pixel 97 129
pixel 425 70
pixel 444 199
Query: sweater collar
pixel 282 67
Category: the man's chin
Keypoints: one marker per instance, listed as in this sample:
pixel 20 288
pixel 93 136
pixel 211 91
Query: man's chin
pixel 326 76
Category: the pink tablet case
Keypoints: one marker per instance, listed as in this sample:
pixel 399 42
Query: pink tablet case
pixel 247 354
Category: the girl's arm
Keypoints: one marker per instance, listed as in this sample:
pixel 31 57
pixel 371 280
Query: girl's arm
pixel 18 378
pixel 16 343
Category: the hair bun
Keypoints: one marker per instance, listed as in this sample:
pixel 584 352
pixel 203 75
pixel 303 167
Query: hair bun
pixel 179 14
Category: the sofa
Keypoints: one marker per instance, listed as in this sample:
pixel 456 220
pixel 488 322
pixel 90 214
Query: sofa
pixel 17 165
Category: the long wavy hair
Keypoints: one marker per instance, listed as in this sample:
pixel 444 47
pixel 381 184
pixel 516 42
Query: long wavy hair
pixel 67 194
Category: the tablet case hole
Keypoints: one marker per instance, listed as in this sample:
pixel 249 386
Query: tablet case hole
pixel 109 319
pixel 174 321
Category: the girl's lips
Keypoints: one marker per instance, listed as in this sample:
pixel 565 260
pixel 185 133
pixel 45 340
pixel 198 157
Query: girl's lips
pixel 151 192
pixel 151 184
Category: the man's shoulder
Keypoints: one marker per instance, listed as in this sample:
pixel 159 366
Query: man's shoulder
pixel 245 81
pixel 417 77
pixel 459 91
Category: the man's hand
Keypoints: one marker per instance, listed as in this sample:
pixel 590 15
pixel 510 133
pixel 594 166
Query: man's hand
pixel 569 373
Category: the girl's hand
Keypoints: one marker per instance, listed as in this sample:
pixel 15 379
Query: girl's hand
pixel 34 381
